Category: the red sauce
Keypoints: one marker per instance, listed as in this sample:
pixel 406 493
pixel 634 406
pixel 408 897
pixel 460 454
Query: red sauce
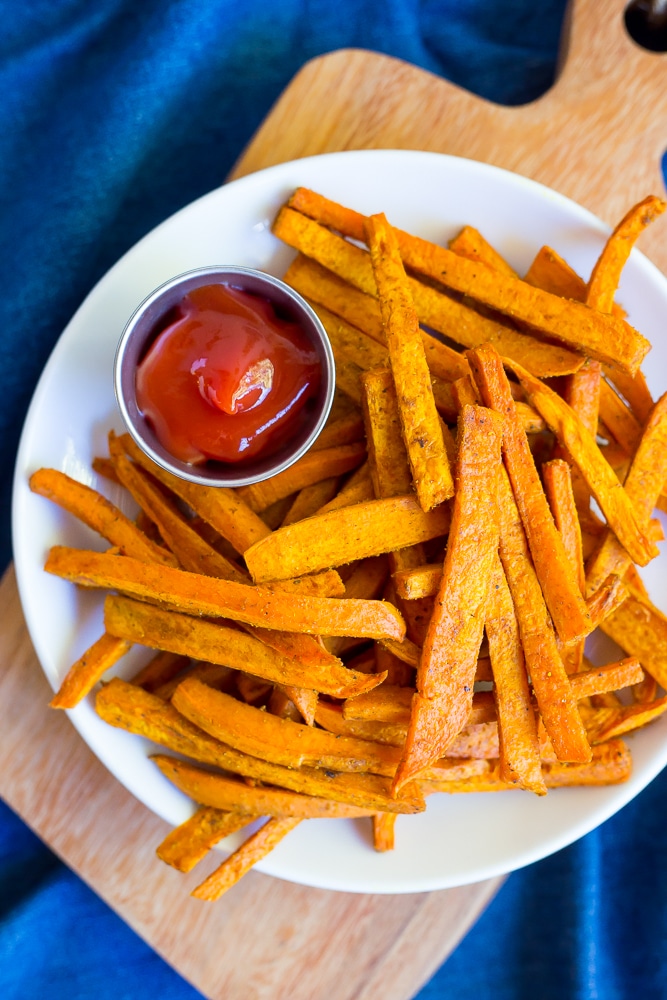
pixel 228 379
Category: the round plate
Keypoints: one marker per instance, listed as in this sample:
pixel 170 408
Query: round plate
pixel 461 838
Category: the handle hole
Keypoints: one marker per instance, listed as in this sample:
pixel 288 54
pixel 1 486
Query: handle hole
pixel 646 23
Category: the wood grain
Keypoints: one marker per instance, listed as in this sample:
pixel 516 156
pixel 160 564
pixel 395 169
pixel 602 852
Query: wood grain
pixel 598 136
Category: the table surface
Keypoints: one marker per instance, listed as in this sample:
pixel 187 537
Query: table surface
pixel 268 938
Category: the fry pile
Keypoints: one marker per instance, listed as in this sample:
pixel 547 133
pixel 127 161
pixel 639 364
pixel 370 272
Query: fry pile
pixel 403 611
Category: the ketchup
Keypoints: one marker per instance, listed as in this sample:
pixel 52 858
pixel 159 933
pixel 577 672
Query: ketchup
pixel 227 379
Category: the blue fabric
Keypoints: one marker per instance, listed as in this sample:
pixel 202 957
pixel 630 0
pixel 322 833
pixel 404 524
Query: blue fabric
pixel 114 114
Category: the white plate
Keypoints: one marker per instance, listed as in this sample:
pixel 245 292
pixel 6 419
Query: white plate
pixel 460 839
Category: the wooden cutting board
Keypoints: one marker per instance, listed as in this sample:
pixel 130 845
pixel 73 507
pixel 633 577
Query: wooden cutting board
pixel 598 136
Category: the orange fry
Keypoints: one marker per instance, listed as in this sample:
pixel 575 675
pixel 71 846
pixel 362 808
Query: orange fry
pixel 222 508
pixel 187 635
pixel 223 792
pixel 89 669
pixel 422 432
pixel 446 673
pixel 186 845
pixel 254 849
pixel 643 486
pixel 519 745
pixel 312 468
pixel 600 477
pixel 554 570
pixel 98 513
pixel 555 700
pixel 343 535
pixel 607 338
pixel 196 594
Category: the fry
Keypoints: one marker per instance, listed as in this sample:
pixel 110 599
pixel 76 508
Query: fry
pixel 607 271
pixel 387 456
pixel 160 669
pixel 600 477
pixel 126 707
pixel 610 764
pixel 423 581
pixel 196 594
pixel 446 672
pixel 641 631
pixel 242 860
pixel 89 669
pixel 190 842
pixel 555 700
pixel 612 677
pixel 643 486
pixel 471 244
pixel 344 535
pixel 280 741
pixel 220 792
pixel 419 419
pixel 550 272
pixel 99 514
pixel 311 499
pixel 217 643
pixel 436 310
pixel 554 570
pixel 383 831
pixel 519 746
pixel 312 468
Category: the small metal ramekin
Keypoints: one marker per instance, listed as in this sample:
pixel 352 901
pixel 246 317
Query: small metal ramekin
pixel 142 327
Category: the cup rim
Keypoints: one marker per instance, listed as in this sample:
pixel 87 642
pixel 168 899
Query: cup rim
pixel 128 350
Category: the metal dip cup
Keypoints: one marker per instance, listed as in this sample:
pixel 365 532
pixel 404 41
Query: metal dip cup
pixel 145 323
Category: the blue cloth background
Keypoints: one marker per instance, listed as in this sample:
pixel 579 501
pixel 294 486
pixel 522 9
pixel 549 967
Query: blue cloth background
pixel 114 114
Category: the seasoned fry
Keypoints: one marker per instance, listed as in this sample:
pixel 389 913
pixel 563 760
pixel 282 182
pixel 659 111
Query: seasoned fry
pixel 343 535
pixel 226 793
pixel 470 243
pixel 186 635
pixel 312 468
pixel 311 499
pixel 383 831
pixel 160 669
pixel 89 669
pixel 643 486
pixel 387 456
pixel 446 672
pixel 554 570
pixel 610 764
pixel 242 860
pixel 422 432
pixel 555 700
pixel 190 842
pixel 196 594
pixel 607 271
pixel 600 477
pixel 612 677
pixel 98 513
pixel 519 746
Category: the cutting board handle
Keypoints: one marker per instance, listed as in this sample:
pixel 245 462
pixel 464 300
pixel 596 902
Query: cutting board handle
pixel 598 135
